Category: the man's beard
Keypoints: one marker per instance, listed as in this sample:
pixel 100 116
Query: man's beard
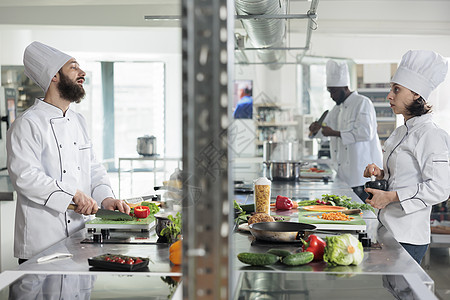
pixel 69 90
pixel 341 97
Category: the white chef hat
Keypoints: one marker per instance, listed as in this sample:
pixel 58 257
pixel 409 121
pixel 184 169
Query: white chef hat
pixel 337 74
pixel 421 71
pixel 42 62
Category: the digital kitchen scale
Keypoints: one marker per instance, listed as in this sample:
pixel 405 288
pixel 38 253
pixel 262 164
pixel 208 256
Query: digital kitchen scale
pixel 122 237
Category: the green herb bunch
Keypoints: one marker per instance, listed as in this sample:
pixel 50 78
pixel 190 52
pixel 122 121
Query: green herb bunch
pixel 345 202
pixel 173 229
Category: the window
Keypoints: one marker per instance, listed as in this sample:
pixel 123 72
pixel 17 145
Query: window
pixel 138 105
pixel 138 110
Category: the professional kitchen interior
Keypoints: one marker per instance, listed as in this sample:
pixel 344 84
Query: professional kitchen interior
pixel 163 80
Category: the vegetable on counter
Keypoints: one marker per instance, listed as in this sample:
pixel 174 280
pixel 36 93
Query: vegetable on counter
pixel 315 245
pixel 284 203
pixel 173 229
pixel 335 216
pixel 343 250
pixel 240 214
pixel 141 212
pixel 336 200
pixel 316 170
pixel 257 259
pixel 152 207
pixel 279 252
pixel 274 255
pixel 297 259
pixel 176 252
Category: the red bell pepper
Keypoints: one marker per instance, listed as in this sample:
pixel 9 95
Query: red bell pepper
pixel 141 212
pixel 283 203
pixel 315 245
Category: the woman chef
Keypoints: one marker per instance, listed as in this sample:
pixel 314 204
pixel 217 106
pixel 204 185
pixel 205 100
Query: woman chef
pixel 50 158
pixel 415 157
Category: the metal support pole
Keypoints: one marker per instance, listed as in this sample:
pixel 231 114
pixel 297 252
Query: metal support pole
pixel 205 156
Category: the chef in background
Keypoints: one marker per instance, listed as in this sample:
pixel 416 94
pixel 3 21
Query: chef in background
pixel 415 156
pixel 352 127
pixel 50 159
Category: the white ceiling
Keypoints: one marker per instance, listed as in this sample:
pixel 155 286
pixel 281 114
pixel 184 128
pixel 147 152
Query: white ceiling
pixel 362 29
pixel 406 17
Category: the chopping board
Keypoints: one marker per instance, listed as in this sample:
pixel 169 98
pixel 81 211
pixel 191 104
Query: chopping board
pixel 98 223
pixel 315 175
pixel 311 218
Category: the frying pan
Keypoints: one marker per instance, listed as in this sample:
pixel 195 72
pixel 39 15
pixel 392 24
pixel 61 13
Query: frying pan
pixel 286 232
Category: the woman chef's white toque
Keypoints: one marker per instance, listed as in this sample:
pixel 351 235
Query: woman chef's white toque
pixel 42 62
pixel 421 71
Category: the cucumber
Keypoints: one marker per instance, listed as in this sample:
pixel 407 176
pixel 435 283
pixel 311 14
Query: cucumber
pixel 279 252
pixel 298 259
pixel 257 259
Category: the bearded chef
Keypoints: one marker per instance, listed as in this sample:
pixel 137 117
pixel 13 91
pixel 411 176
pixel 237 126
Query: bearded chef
pixel 50 159
pixel 352 128
pixel 415 156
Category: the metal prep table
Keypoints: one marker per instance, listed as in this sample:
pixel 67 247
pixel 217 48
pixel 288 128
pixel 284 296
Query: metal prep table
pixel 154 282
pixel 390 259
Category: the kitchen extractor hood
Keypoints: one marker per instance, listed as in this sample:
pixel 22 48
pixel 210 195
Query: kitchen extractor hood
pixel 265 24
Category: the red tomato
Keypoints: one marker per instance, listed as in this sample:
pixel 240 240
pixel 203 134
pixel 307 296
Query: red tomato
pixel 130 261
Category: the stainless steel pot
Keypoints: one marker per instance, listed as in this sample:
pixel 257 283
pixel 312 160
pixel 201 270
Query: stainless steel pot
pixel 284 171
pixel 146 145
pixel 282 151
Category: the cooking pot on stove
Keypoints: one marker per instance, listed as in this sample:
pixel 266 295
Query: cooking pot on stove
pixel 284 170
pixel 146 145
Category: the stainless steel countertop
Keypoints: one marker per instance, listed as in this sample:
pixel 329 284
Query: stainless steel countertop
pixel 157 253
pixel 6 188
pixel 391 259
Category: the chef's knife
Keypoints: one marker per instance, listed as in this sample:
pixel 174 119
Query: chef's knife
pixel 320 121
pixel 107 214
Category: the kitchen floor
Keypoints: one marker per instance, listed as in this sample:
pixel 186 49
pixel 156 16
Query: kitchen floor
pixel 439 271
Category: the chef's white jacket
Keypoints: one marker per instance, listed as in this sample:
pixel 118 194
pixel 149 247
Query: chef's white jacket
pixel 52 287
pixel 416 165
pixel 358 145
pixel 50 157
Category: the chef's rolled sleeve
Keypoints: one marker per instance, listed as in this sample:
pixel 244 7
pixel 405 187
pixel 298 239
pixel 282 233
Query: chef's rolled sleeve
pixel 59 200
pixel 101 192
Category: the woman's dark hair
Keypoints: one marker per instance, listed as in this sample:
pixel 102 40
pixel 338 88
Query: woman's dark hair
pixel 419 107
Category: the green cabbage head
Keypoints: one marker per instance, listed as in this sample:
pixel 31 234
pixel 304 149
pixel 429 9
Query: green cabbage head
pixel 343 250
